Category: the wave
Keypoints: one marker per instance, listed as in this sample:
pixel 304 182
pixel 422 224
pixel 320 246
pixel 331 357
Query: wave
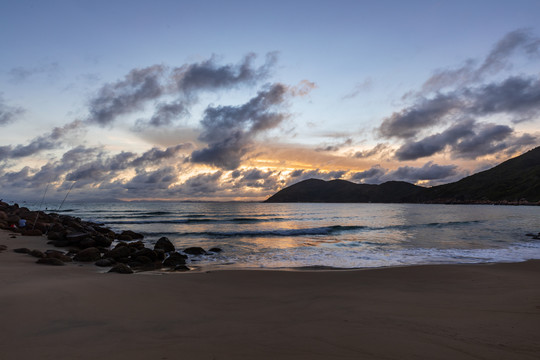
pixel 325 230
pixel 182 220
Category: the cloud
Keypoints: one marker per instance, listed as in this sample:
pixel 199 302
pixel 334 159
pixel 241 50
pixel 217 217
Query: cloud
pixel 230 130
pixel 8 114
pixel 160 82
pixel 495 61
pixel 208 75
pixel 430 172
pixel 515 95
pixel 378 149
pixel 370 176
pixel 423 114
pixel 359 88
pixel 466 139
pixel 52 140
pixel 335 147
pixel 19 73
pixel 127 95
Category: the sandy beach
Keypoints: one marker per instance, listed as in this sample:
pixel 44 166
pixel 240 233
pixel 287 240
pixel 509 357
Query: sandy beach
pixel 420 312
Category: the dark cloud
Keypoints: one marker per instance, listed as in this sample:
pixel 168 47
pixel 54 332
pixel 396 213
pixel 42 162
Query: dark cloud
pixel 230 130
pixel 127 95
pixel 515 95
pixel 8 114
pixel 467 139
pixel 208 75
pixel 370 176
pixel 335 147
pixel 424 114
pixel 435 143
pixel 430 172
pixel 155 155
pixel 496 60
pixel 53 140
pixel 184 83
pixel 377 150
pixel 202 184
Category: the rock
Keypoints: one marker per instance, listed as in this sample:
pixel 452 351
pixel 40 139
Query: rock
pixel 54 235
pixel 88 255
pixel 181 268
pixel 22 250
pixel 132 234
pixel 174 260
pixel 36 253
pixel 50 261
pixel 164 244
pixel 160 254
pixel 32 232
pixel 55 254
pixel 121 269
pixel 124 238
pixel 215 250
pixel 77 237
pixel 151 254
pixel 102 240
pixel 3 248
pixel 119 252
pixel 137 245
pixel 143 259
pixel 86 243
pixel 59 243
pixel 57 227
pixel 195 251
pixel 105 262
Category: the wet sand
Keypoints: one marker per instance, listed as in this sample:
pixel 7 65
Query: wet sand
pixel 418 312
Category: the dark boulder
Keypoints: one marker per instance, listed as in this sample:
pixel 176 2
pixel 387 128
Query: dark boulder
pixel 88 255
pixel 86 243
pixel 22 250
pixel 195 251
pixel 121 269
pixel 151 254
pixel 59 243
pixel 102 240
pixel 137 245
pixel 54 235
pixel 50 261
pixel 215 250
pixel 119 252
pixel 77 237
pixel 55 254
pixel 181 268
pixel 174 260
pixel 105 262
pixel 32 232
pixel 164 244
pixel 124 238
pixel 132 234
pixel 36 253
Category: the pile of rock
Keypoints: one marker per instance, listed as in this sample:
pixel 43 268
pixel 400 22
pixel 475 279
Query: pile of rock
pixel 91 242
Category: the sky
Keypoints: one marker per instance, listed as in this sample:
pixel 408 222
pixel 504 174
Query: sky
pixel 235 100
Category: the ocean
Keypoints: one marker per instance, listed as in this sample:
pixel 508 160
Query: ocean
pixel 293 235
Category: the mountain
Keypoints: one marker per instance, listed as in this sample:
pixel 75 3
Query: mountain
pixel 510 181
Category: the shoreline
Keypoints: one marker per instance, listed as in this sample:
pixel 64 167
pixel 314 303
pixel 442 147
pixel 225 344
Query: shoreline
pixel 414 312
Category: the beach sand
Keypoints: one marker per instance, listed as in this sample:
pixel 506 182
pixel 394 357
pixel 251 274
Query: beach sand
pixel 418 312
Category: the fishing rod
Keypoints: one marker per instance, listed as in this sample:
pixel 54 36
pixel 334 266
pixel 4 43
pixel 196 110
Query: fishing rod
pixel 71 187
pixel 40 204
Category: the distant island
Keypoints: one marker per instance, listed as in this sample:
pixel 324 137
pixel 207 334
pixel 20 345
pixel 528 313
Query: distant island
pixel 513 182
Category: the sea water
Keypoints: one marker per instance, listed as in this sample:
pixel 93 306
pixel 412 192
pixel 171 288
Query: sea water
pixel 292 235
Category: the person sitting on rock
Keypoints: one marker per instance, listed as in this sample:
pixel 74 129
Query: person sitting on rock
pixel 22 223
